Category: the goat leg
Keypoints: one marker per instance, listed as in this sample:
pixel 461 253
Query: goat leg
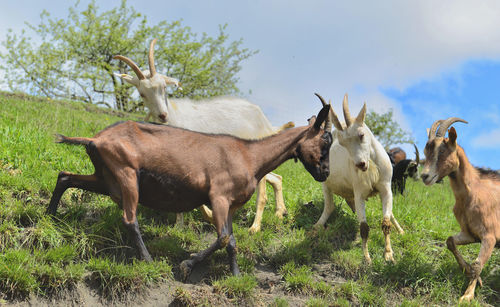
pixel 386 229
pixel 133 229
pixel 67 180
pixel 259 204
pixel 187 265
pixel 276 182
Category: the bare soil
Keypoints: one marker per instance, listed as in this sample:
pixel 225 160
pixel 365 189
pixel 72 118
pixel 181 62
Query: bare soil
pixel 198 290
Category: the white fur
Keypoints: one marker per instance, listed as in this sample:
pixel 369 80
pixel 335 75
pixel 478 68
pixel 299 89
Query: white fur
pixel 353 182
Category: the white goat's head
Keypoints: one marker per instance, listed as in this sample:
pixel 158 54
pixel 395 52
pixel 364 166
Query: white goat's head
pixel 151 85
pixel 355 136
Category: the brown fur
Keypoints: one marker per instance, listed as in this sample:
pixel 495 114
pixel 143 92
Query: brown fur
pixel 177 170
pixel 477 203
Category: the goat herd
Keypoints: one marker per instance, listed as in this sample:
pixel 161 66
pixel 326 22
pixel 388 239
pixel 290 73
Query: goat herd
pixel 218 152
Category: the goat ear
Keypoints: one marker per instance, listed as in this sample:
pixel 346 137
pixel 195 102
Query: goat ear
pixel 361 116
pixel 129 79
pixel 452 138
pixel 322 116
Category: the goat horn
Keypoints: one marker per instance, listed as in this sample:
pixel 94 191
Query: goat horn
pixel 347 115
pixel 432 132
pixel 132 65
pixel 328 122
pixel 151 58
pixel 446 124
pixel 417 157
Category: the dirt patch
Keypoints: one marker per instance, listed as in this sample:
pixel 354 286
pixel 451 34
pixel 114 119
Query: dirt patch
pixel 196 291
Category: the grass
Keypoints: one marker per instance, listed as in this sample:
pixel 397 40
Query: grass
pixel 87 243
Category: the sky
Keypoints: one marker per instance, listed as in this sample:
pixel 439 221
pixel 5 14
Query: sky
pixel 425 60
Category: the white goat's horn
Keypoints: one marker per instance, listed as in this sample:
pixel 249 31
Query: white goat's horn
pixel 132 65
pixel 347 115
pixel 446 124
pixel 360 119
pixel 151 58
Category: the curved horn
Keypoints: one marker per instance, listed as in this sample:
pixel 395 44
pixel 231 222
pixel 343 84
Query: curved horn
pixel 328 122
pixel 347 115
pixel 417 156
pixel 446 124
pixel 323 102
pixel 132 65
pixel 151 58
pixel 432 132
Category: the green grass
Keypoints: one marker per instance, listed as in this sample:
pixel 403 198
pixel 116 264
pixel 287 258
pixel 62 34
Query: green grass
pixel 87 243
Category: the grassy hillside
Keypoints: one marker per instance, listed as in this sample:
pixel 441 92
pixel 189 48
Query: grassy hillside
pixel 87 245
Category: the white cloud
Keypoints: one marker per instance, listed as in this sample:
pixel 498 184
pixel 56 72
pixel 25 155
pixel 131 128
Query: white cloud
pixel 488 140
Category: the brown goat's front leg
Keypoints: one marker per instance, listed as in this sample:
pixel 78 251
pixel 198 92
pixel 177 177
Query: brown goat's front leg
pixel 487 245
pixel 220 209
pixel 67 180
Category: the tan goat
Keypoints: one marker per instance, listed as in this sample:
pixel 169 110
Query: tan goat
pixel 477 198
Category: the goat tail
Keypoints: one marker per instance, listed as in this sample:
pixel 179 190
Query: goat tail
pixel 73 141
pixel 286 126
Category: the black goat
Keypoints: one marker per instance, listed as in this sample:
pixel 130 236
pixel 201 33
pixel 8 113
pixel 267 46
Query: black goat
pixel 404 169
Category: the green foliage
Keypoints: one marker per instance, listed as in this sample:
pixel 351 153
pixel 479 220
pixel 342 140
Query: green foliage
pixel 116 279
pixel 236 286
pixel 386 130
pixel 75 58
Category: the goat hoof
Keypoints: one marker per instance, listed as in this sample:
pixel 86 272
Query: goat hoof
pixel 389 257
pixel 186 267
pixel 254 229
pixel 466 298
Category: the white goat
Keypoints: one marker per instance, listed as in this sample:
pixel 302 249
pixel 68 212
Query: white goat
pixel 359 168
pixel 223 115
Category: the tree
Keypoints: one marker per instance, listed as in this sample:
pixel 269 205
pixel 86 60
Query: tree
pixel 387 131
pixel 75 58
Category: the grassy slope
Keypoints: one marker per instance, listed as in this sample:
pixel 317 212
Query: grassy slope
pixel 87 244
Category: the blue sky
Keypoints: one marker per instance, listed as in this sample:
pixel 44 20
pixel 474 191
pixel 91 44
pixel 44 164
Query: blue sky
pixel 426 60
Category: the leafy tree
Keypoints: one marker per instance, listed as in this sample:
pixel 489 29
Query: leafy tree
pixel 387 131
pixel 75 58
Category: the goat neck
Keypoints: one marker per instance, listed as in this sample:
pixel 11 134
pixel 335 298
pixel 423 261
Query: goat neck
pixel 267 154
pixel 463 178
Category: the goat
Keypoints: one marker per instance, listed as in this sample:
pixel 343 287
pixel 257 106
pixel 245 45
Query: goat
pixel 222 115
pixel 404 169
pixel 396 154
pixel 359 168
pixel 477 198
pixel 174 169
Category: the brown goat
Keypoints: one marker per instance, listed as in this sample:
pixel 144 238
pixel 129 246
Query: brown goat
pixel 477 198
pixel 177 170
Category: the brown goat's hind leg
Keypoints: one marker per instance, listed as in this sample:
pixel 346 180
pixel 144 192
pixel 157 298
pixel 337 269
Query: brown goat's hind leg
pixel 67 180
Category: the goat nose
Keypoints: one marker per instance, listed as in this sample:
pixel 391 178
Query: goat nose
pixel 163 117
pixel 424 176
pixel 361 165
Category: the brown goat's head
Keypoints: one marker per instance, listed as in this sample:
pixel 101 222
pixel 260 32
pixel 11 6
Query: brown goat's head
pixel 314 150
pixel 441 157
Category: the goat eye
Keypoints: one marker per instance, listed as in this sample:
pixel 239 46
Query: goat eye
pixel 361 136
